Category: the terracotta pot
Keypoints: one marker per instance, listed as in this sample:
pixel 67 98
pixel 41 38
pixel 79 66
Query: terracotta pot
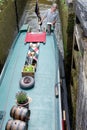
pixel 25 104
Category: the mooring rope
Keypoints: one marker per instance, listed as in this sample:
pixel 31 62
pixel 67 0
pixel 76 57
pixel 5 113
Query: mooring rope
pixel 37 10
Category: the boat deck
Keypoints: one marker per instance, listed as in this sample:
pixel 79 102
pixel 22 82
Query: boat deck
pixel 45 107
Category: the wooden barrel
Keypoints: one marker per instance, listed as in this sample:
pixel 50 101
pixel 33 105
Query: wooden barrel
pixel 20 113
pixel 15 125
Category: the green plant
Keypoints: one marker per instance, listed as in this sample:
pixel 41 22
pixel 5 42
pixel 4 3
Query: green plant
pixel 28 68
pixel 21 97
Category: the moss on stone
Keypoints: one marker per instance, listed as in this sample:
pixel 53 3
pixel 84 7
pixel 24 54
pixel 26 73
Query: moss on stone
pixel 77 56
pixel 70 23
pixel 74 88
pixel 64 19
pixel 74 85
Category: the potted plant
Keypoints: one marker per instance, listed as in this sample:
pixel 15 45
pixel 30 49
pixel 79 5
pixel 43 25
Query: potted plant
pixel 22 99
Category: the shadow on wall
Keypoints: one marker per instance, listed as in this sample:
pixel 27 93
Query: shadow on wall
pixel 8 26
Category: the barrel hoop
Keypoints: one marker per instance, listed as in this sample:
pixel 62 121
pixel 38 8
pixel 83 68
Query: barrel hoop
pixel 11 125
pixel 29 112
pixel 17 112
pixel 11 112
pixel 14 113
pixel 25 115
pixel 18 125
pixel 20 114
pixel 14 110
pixel 6 125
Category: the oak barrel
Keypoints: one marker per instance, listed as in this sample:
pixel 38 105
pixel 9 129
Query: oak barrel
pixel 15 125
pixel 20 113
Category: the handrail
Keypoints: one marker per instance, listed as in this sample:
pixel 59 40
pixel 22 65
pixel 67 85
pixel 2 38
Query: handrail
pixel 60 104
pixel 60 101
pixel 58 79
pixel 65 91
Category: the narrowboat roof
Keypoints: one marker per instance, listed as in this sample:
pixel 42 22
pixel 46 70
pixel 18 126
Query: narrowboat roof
pixel 45 107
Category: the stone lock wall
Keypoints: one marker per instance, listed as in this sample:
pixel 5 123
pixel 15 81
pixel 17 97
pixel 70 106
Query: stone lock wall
pixel 67 20
pixel 79 79
pixel 75 66
pixel 8 26
pixel 81 111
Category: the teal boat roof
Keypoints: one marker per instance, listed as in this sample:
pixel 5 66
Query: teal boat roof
pixel 45 107
pixel 24 28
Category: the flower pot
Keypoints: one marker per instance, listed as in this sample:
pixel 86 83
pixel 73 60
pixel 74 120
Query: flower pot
pixel 25 104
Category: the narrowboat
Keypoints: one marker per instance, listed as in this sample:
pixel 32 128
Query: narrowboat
pixel 45 106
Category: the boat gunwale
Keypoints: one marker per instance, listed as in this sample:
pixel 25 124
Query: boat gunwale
pixel 59 87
